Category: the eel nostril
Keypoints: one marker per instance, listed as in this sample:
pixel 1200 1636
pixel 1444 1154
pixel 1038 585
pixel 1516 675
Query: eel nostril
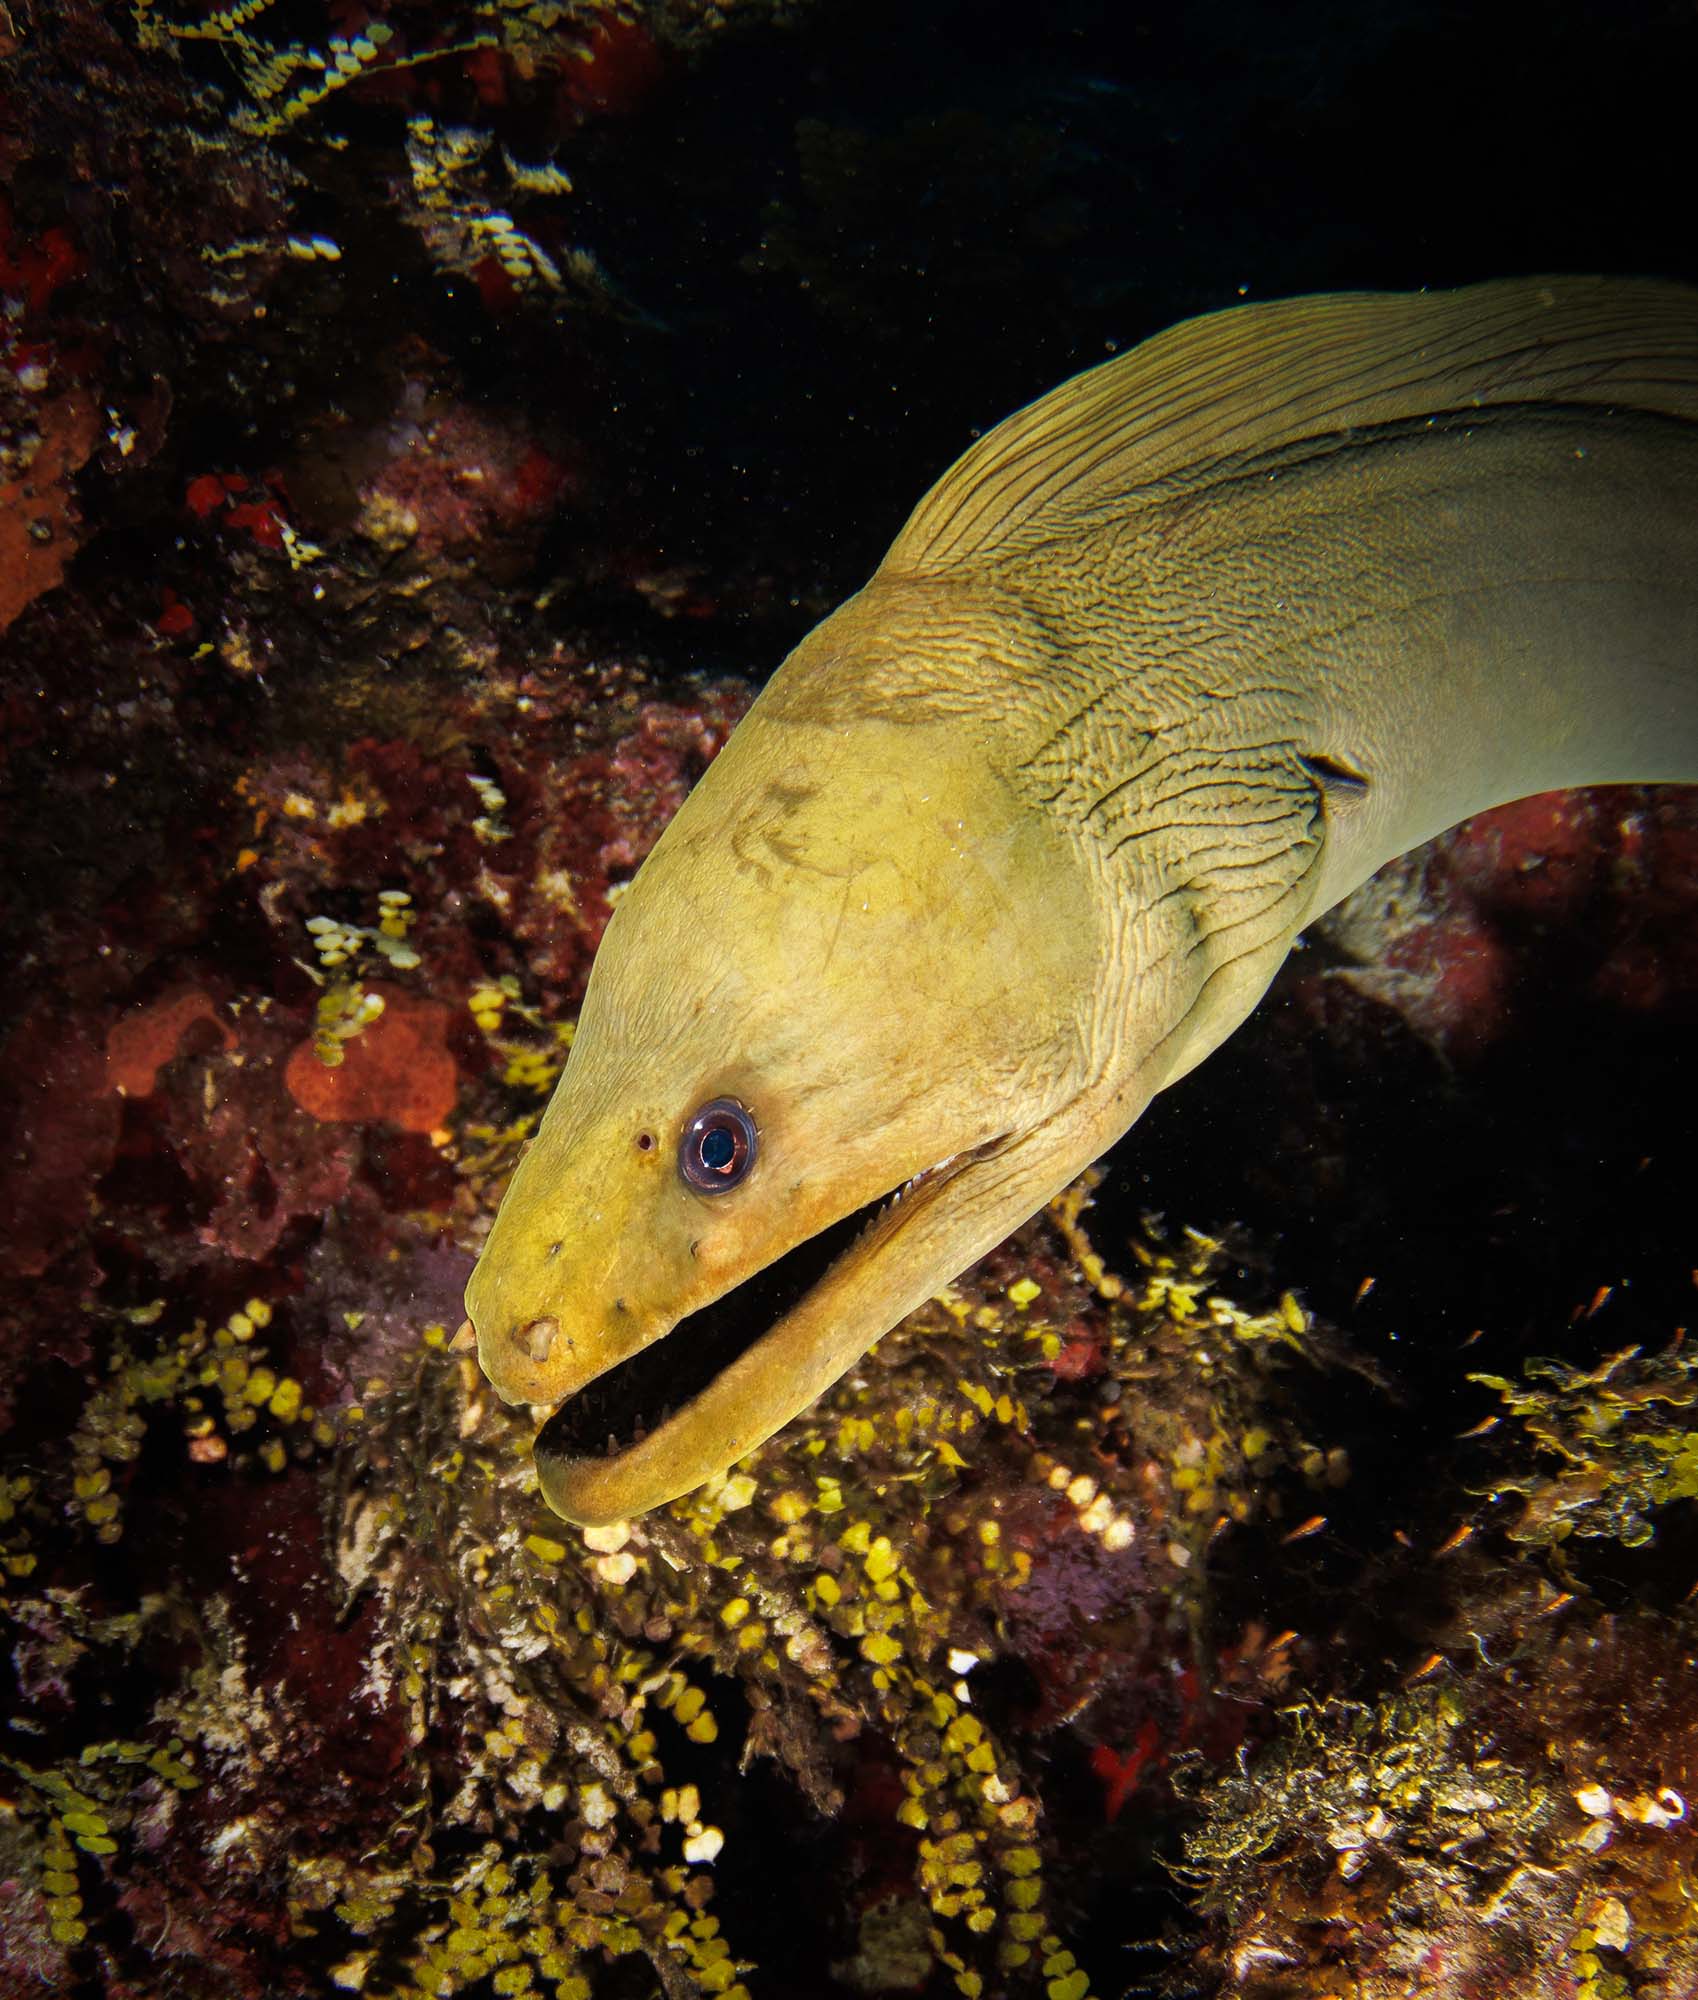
pixel 538 1338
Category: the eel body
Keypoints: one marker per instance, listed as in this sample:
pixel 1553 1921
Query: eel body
pixel 1162 668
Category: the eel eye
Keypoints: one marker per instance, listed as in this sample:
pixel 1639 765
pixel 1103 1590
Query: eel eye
pixel 718 1147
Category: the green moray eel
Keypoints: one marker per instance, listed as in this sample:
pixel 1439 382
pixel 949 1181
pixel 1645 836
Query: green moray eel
pixel 1160 669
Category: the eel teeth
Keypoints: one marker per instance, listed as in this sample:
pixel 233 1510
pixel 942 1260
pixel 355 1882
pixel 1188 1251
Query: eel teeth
pixel 925 1174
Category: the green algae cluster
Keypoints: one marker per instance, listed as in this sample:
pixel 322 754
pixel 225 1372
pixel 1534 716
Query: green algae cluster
pixel 590 1652
pixel 65 1822
pixel 1404 1784
pixel 540 1675
pixel 1610 1445
pixel 284 81
pixel 227 1400
pixel 68 1819
pixel 461 185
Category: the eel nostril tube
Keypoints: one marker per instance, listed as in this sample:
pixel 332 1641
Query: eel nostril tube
pixel 537 1338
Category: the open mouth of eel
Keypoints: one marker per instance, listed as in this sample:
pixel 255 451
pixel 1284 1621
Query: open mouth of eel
pixel 726 1377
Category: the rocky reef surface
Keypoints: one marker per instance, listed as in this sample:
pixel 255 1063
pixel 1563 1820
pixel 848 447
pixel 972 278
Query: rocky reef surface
pixel 1269 1573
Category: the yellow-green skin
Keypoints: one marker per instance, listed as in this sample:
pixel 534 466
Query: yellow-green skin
pixel 1160 670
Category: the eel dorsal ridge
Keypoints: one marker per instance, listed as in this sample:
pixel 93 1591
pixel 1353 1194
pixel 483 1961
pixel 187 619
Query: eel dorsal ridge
pixel 1255 378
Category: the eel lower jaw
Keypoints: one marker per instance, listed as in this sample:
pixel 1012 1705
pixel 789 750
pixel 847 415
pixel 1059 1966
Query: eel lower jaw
pixel 689 1408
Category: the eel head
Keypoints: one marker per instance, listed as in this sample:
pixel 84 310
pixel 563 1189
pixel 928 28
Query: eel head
pixel 829 1055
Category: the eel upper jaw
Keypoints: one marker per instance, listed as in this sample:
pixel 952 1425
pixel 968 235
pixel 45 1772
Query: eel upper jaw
pixel 770 1381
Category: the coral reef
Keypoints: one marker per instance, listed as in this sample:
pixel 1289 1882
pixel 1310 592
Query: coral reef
pixel 1517 1815
pixel 404 461
pixel 1519 1830
pixel 1602 880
